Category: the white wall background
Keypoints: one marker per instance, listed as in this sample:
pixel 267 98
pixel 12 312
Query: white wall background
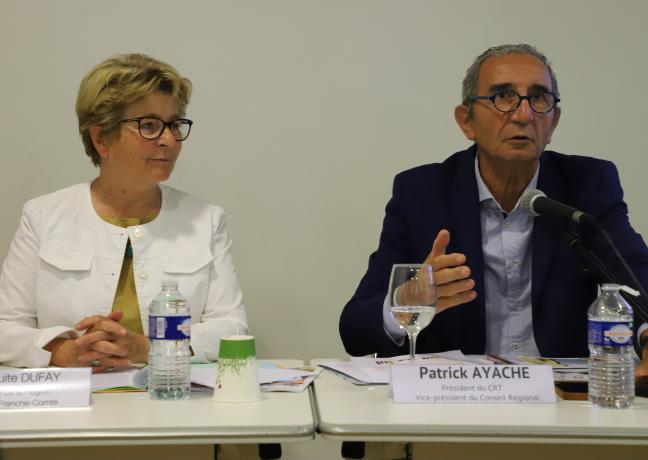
pixel 304 112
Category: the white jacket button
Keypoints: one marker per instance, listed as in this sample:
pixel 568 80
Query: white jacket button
pixel 143 274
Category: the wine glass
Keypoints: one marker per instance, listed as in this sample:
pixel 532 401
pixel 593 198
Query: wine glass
pixel 412 299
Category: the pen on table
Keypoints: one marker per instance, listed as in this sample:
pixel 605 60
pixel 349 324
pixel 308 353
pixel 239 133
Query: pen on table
pixel 499 360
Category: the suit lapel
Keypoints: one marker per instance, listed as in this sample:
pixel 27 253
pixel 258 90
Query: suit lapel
pixel 544 230
pixel 466 237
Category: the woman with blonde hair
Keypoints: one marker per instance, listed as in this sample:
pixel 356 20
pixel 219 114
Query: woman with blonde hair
pixel 87 260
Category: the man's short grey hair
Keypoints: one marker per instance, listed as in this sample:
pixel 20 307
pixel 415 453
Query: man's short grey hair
pixel 471 81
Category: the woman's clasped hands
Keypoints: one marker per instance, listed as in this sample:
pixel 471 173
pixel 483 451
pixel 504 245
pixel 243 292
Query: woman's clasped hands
pixel 105 344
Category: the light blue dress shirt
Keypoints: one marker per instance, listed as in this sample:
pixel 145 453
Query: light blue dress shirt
pixel 506 245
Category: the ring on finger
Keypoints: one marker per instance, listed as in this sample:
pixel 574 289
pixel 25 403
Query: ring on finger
pixel 95 363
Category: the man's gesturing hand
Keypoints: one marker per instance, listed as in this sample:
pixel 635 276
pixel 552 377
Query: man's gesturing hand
pixel 451 277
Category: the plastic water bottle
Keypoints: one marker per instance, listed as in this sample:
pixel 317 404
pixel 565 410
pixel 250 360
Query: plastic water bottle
pixel 169 369
pixel 611 364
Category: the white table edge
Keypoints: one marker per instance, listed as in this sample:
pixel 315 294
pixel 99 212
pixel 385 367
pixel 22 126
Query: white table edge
pixel 302 434
pixel 262 435
pixel 334 432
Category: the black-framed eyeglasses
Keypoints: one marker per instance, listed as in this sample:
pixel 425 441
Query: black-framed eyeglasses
pixel 509 100
pixel 151 128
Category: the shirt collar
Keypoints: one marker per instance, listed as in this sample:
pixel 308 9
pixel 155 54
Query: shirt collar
pixel 484 192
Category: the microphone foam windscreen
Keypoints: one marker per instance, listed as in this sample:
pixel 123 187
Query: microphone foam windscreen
pixel 528 198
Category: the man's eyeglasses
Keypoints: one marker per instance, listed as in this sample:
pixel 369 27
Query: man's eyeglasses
pixel 151 128
pixel 509 100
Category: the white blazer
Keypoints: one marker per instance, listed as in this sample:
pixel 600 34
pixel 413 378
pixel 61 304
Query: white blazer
pixel 64 264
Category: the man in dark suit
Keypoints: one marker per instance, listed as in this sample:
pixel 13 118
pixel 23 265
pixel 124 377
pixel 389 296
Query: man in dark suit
pixel 506 283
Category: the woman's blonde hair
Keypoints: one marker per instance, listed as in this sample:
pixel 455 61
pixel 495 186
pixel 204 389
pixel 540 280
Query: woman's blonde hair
pixel 108 89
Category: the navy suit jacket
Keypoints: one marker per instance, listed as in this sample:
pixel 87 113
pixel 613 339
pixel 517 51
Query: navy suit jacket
pixel 432 197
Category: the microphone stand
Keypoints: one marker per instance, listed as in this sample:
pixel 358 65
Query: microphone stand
pixel 594 265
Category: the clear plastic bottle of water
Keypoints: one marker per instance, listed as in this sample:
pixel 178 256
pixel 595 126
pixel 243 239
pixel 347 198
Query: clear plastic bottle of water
pixel 169 369
pixel 611 364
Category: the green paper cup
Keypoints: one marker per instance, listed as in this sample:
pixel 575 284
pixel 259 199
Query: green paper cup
pixel 236 347
pixel 237 379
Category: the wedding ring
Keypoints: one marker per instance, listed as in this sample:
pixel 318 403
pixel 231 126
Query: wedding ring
pixel 95 363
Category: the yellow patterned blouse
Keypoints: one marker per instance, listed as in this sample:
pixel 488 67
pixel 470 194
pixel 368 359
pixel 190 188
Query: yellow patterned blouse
pixel 126 295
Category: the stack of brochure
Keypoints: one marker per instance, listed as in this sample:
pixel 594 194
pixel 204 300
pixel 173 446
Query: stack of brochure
pixel 272 377
pixel 564 369
pixel 375 371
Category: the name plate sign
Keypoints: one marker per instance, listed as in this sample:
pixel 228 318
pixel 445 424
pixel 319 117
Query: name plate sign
pixel 472 384
pixel 44 388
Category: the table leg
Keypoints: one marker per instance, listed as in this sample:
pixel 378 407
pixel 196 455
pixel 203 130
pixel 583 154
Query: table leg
pixel 377 450
pixel 247 451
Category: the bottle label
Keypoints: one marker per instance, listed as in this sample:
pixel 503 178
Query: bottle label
pixel 169 327
pixel 610 333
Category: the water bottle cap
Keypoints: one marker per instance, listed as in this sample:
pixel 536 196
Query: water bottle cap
pixel 610 287
pixel 169 283
pixel 616 288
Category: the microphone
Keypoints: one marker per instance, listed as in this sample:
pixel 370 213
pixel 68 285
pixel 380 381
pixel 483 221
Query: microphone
pixel 535 203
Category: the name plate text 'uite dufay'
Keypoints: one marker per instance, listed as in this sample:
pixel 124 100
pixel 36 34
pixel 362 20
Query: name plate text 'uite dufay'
pixel 472 384
pixel 44 388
